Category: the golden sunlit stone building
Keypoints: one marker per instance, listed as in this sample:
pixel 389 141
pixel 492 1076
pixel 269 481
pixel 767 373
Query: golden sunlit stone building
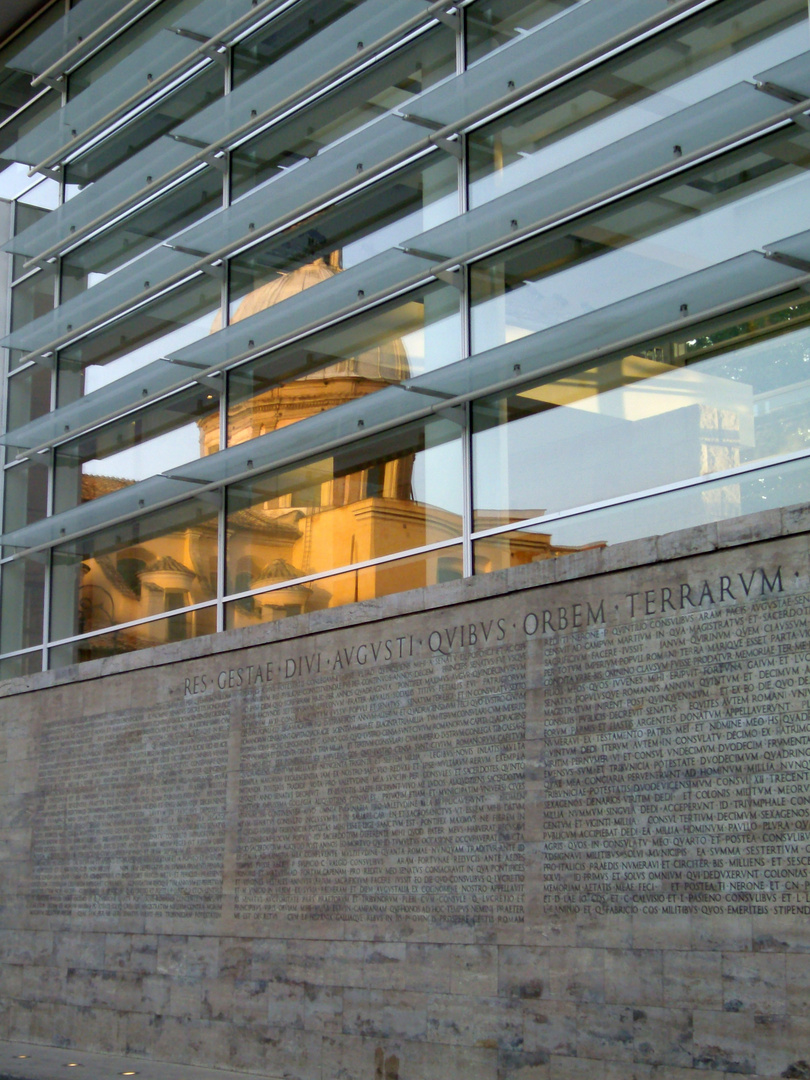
pixel 341 520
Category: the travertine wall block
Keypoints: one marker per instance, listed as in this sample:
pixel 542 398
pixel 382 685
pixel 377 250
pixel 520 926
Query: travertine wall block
pixel 548 824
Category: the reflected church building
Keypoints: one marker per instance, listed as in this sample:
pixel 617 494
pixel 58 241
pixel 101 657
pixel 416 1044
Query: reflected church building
pixel 336 511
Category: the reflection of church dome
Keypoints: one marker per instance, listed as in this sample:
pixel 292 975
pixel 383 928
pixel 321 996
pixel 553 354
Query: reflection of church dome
pixel 283 287
pixel 279 570
pixel 292 599
pixel 388 362
pixel 331 384
pixel 167 573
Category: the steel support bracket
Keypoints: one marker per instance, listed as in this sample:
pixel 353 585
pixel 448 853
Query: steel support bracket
pixel 452 277
pixel 449 18
pixel 43 361
pixel 431 256
pixel 456 413
pixel 51 172
pixel 216 159
pixel 215 270
pixel 212 382
pixel 54 82
pixel 213 48
pixel 783 93
pixel 450 146
pixel 793 261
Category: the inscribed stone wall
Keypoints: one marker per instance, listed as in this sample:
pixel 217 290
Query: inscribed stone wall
pixel 417 776
pixel 131 815
pixel 530 829
pixel 678 762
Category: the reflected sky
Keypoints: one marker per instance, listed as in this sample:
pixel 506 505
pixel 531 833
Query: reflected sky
pixel 574 445
pixel 747 224
pixel 625 121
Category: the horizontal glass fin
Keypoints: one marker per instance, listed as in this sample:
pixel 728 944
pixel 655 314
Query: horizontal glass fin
pixel 372 20
pixel 640 316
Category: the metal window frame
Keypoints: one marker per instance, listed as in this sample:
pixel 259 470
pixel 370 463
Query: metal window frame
pixel 223 598
pixel 636 184
pixel 161 616
pixel 230 598
pixel 435 409
pixel 90 44
pixel 468 536
pixel 648 493
pixel 147 97
pixel 571 69
pixel 297 101
pixel 672 168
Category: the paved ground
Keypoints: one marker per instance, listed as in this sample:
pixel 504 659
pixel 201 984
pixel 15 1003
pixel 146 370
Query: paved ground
pixel 27 1061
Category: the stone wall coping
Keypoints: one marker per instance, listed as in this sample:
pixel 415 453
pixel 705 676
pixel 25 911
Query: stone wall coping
pixel 668 547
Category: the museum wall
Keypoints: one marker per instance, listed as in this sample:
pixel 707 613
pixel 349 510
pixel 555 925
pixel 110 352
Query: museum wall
pixel 553 822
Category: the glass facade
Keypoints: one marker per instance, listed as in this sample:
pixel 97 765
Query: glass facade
pixel 318 302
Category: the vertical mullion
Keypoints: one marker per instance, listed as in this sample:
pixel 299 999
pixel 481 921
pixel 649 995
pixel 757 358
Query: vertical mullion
pixel 223 442
pixel 48 590
pixel 468 561
pixel 466 435
pixel 461 40
pixel 227 195
pixel 6 328
pixel 221 525
pixel 468 564
pixel 46 604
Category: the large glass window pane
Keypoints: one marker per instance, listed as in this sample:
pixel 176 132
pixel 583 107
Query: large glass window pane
pixel 153 37
pixel 176 430
pixel 25 215
pixel 393 210
pixel 166 324
pixel 29 395
pixel 181 104
pixel 159 219
pixel 702 55
pixel 15 182
pixel 149 30
pixel 164 561
pixel 26 664
pixel 771 487
pixel 395 341
pixel 371 499
pixel 282 34
pixel 32 297
pixel 22 602
pixel 152 47
pixel 25 492
pixel 385 86
pixel 188 624
pixel 25 495
pixel 35 293
pixel 22 106
pixel 369 582
pixel 743 200
pixel 706 400
pixel 28 115
pixel 492 23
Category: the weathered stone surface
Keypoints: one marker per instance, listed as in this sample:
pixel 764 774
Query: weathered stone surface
pixel 549 824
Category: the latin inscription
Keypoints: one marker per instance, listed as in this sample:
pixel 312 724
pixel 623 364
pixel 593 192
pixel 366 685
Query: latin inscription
pixel 132 815
pixel 393 793
pixel 677 759
pixel 384 779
